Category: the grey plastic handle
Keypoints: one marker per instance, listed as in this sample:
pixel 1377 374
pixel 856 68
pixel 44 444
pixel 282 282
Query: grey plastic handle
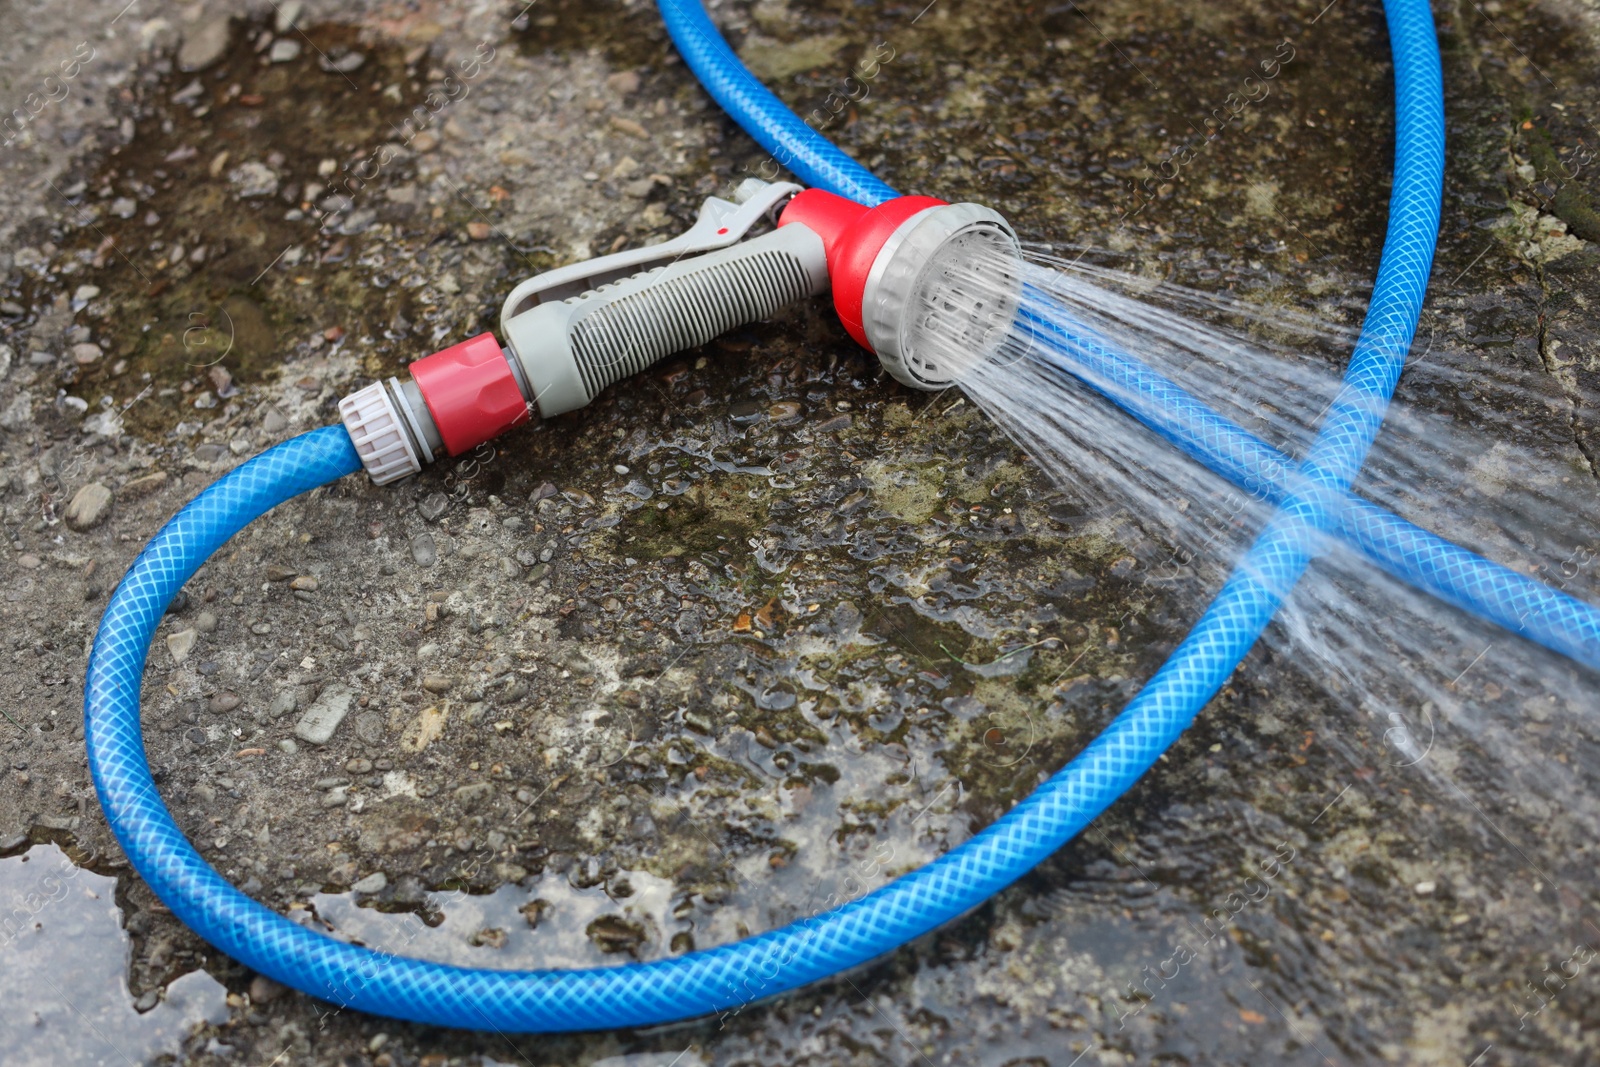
pixel 720 223
pixel 570 350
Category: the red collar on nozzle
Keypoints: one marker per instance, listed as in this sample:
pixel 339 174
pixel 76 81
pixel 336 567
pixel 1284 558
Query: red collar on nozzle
pixel 853 235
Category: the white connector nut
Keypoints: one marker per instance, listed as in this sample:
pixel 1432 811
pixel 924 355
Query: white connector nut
pixel 380 437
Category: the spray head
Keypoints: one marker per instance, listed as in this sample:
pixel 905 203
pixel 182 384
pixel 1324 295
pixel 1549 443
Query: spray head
pixel 930 287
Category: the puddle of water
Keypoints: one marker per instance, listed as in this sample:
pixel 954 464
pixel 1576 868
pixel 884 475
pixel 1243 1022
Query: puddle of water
pixel 549 923
pixel 65 998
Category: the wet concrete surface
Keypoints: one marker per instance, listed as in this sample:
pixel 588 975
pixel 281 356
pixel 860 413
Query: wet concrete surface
pixel 667 671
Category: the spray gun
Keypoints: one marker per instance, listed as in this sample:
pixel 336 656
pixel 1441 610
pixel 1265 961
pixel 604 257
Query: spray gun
pixel 924 284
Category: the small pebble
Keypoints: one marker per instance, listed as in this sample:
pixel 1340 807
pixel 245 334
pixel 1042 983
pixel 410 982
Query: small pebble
pixel 624 82
pixel 322 718
pixel 144 486
pixel 478 231
pixel 86 353
pixel 180 644
pixel 433 506
pixel 253 180
pixel 490 937
pixel 284 50
pixel 372 883
pixel 206 45
pixel 629 127
pixel 369 728
pixel 1425 889
pixel 438 683
pixel 222 703
pixel 345 64
pixel 282 704
pixel 424 551
pixel 264 990
pixel 305 582
pixel 287 14
pixel 205 622
pixel 359 766
pixel 288 746
pixel 89 506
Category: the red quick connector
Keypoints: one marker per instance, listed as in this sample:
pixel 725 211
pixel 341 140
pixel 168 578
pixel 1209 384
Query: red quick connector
pixel 455 400
pixel 471 392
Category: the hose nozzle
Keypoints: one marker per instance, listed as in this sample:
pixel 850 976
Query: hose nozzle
pixel 930 287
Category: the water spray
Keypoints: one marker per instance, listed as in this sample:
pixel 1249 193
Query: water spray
pixel 935 290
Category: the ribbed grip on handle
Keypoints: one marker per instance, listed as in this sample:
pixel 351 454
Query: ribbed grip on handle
pixel 572 349
pixel 623 336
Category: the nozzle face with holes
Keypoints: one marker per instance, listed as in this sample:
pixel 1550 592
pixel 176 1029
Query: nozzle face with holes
pixel 569 350
pixel 943 294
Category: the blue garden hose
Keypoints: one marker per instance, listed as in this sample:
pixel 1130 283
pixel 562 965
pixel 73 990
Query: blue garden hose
pixel 853 933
